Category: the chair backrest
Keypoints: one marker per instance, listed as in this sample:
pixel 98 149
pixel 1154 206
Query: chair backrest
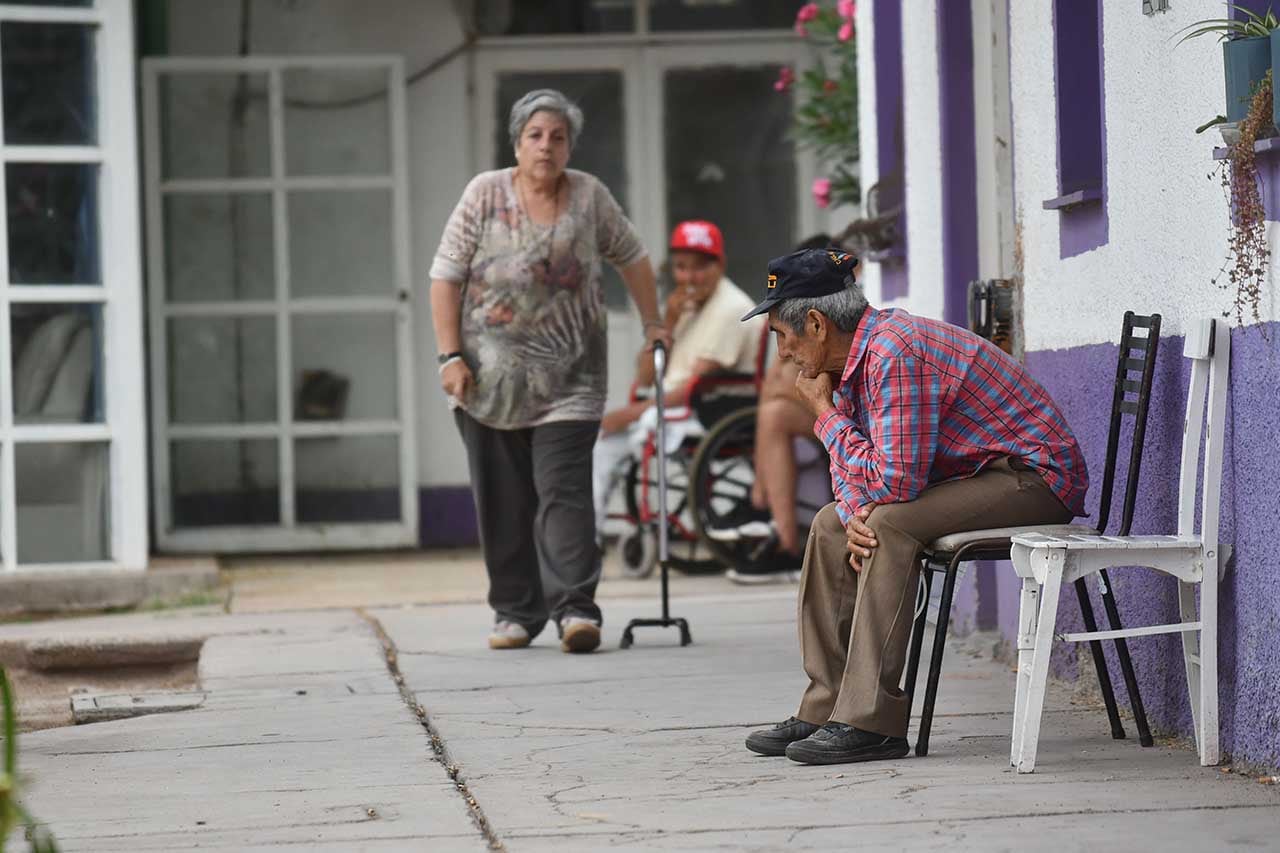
pixel 1130 397
pixel 1209 348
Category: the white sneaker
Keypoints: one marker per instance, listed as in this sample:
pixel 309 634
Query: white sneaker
pixel 579 634
pixel 508 635
pixel 750 530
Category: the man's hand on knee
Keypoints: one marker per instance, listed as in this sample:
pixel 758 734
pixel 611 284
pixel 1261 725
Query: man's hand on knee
pixel 862 539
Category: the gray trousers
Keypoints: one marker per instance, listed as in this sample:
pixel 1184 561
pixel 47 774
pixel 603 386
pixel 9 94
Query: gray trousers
pixel 532 489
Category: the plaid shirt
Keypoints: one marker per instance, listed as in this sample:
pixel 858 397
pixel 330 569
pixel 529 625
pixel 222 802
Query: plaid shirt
pixel 922 401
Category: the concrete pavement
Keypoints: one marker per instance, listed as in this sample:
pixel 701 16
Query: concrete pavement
pixel 394 728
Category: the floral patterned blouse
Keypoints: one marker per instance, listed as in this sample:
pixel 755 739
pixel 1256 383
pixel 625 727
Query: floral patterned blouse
pixel 533 316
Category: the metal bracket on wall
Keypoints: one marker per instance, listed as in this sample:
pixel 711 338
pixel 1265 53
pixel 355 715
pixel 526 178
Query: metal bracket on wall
pixel 1150 7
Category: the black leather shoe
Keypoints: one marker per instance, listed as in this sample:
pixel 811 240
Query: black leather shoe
pixel 837 743
pixel 774 741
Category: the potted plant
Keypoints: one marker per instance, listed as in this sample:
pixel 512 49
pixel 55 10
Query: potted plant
pixel 1248 47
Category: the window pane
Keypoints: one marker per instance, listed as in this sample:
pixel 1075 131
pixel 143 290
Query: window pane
pixel 600 150
pixel 222 370
pixel 340 243
pixel 348 479
pixel 219 247
pixel 337 122
pixel 225 482
pixel 48 73
pixel 344 367
pixel 53 223
pixel 63 508
pixel 547 17
pixel 57 363
pixel 730 160
pixel 722 14
pixel 214 125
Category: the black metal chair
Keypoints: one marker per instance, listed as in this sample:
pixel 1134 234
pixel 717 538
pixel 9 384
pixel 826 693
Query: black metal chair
pixel 1134 372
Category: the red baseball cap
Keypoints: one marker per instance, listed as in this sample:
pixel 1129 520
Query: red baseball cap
pixel 697 235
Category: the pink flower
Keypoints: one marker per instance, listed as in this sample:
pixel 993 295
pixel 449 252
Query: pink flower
pixel 846 31
pixel 847 8
pixel 807 13
pixel 785 78
pixel 822 192
pixel 800 30
pixel 830 85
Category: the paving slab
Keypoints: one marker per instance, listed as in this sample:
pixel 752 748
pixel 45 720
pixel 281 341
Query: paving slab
pixel 302 741
pixel 642 749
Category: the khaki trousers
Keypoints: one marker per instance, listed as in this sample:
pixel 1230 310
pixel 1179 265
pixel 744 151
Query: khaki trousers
pixel 855 626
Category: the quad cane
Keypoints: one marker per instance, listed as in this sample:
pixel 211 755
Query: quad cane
pixel 659 369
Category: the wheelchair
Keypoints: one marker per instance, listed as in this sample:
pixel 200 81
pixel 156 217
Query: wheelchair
pixel 710 473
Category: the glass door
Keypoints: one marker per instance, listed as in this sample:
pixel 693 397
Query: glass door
pixel 72 437
pixel 721 144
pixel 280 330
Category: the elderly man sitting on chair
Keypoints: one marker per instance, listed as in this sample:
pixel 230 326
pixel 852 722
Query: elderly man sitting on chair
pixel 931 430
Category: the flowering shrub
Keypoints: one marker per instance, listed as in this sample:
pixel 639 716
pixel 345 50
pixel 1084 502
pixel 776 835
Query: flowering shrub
pixel 827 118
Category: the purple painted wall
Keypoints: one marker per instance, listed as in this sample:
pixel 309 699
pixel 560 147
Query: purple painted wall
pixel 1082 128
pixel 959 157
pixel 1249 612
pixel 887 24
pixel 447 517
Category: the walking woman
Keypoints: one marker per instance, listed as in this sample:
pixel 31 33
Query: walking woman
pixel 520 326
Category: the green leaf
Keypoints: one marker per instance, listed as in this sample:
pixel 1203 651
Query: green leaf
pixel 10 726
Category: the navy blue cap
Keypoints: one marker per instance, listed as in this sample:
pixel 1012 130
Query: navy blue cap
pixel 806 273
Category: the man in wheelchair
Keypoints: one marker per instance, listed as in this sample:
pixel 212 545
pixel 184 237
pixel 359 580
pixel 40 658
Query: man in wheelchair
pixel 930 430
pixel 702 314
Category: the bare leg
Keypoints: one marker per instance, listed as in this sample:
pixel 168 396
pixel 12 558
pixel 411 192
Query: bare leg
pixel 780 421
pixel 779 384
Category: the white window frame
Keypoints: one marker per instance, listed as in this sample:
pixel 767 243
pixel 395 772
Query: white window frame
pixel 119 295
pixel 289 534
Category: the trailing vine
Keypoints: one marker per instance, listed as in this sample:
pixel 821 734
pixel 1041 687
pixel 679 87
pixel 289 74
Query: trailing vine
pixel 1248 252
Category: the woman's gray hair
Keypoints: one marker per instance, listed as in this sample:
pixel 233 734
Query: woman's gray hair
pixel 843 308
pixel 549 100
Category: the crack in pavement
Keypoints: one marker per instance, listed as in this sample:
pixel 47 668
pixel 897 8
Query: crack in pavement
pixel 437 741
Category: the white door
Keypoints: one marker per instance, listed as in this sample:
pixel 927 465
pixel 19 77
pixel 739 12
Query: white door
pixel 72 436
pixel 278 259
pixel 720 139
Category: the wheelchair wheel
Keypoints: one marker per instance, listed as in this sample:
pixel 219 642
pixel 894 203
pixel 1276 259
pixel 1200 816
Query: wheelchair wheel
pixel 639 552
pixel 722 474
pixel 686 551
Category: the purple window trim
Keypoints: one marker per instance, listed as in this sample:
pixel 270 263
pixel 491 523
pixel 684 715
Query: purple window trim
pixel 1078 197
pixel 1083 226
pixel 887 25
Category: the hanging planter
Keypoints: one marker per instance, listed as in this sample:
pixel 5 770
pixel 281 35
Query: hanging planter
pixel 1249 51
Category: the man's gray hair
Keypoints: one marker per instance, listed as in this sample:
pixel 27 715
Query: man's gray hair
pixel 549 100
pixel 843 308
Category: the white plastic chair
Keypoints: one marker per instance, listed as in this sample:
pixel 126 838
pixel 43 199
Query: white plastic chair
pixel 1046 562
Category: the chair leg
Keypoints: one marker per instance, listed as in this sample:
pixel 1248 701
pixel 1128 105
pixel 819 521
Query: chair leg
pixel 1191 658
pixel 917 637
pixel 935 659
pixel 1030 737
pixel 1209 665
pixel 1099 660
pixel 1028 615
pixel 1126 663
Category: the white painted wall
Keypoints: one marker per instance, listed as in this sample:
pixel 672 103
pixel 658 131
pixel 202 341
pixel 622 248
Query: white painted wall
pixel 923 152
pixel 440 146
pixel 1168 221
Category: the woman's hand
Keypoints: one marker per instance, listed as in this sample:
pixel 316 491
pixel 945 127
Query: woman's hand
pixel 655 331
pixel 861 538
pixel 456 379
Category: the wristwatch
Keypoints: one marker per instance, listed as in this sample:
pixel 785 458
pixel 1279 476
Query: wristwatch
pixel 447 356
